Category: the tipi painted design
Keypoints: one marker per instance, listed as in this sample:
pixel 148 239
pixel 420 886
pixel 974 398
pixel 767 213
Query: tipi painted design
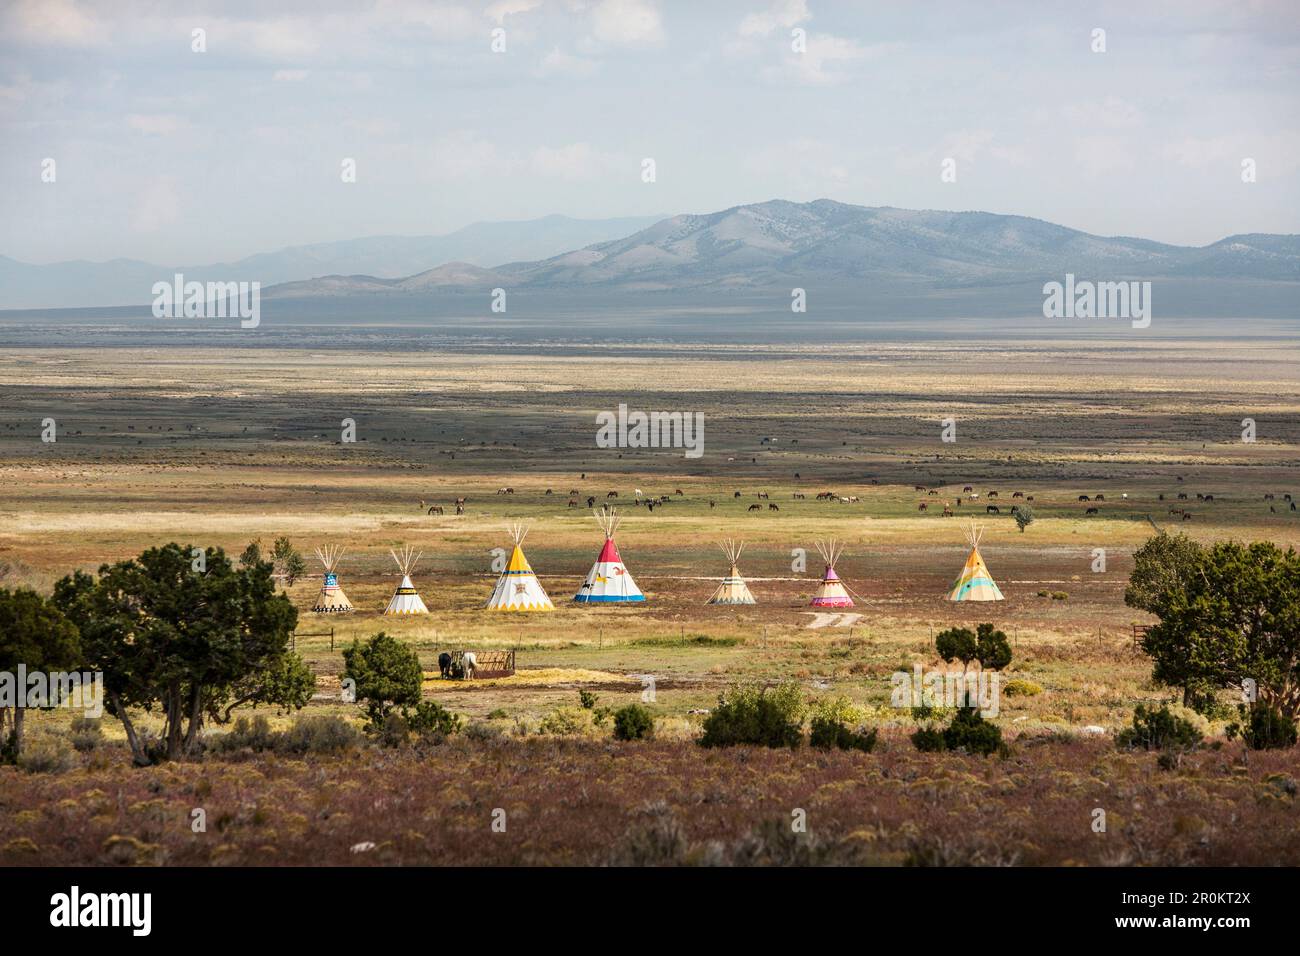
pixel 832 592
pixel 406 599
pixel 608 581
pixel 975 583
pixel 518 588
pixel 733 589
pixel 331 599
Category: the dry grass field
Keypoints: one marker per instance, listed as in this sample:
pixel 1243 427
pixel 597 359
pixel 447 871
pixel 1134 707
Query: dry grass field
pixel 217 447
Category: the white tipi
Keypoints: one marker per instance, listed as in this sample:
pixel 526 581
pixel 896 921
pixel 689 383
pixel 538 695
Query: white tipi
pixel 406 600
pixel 518 588
pixel 331 599
pixel 608 581
pixel 832 592
pixel 733 589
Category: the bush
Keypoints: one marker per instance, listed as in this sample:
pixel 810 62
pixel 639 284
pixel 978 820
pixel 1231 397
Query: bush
pixel 972 733
pixel 968 731
pixel 587 699
pixel 567 722
pixel 1019 687
pixel 928 739
pixel 46 753
pixel 86 734
pixel 480 732
pixel 1265 728
pixel 248 734
pixel 324 734
pixel 1158 730
pixel 633 722
pixel 387 675
pixel 395 732
pixel 769 717
pixel 828 733
pixel 431 720
pixel 1060 596
pixel 498 713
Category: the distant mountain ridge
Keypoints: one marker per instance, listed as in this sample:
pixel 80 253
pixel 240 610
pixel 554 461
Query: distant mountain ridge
pixel 780 243
pixel 128 281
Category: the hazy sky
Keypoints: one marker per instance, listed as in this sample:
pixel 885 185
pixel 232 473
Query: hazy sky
pixel 175 156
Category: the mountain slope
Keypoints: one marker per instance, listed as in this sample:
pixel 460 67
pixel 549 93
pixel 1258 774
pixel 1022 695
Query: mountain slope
pixel 128 281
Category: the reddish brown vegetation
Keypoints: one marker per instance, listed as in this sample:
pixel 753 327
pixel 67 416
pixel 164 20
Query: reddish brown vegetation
pixel 581 802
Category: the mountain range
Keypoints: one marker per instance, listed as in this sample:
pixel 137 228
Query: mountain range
pixel 128 281
pixel 759 246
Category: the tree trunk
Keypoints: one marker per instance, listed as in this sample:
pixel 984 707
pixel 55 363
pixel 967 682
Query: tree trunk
pixel 138 755
pixel 174 739
pixel 196 716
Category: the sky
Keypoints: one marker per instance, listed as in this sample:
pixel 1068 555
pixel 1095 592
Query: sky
pixel 173 154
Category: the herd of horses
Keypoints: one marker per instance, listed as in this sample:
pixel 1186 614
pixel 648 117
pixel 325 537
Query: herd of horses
pixel 651 502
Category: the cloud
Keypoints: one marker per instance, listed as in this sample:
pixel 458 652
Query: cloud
pixel 507 8
pixel 157 124
pixel 627 23
pixel 820 64
pixel 1098 155
pixel 54 23
pixel 157 206
pixel 290 76
pixel 784 13
pixel 559 63
pixel 809 167
pixel 576 161
pixel 1111 113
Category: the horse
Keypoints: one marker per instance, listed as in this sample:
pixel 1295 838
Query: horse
pixel 754 508
pixel 444 664
pixel 468 663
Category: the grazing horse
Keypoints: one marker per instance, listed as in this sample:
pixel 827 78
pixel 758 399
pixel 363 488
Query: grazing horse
pixel 771 506
pixel 435 509
pixel 468 663
pixel 612 494
pixel 1091 511
pixel 993 494
pixel 993 510
pixel 680 493
pixel 922 506
pixel 797 496
pixel 591 501
pixel 1084 498
pixel 1187 516
pixel 444 664
pixel 761 495
pixel 967 488
pixel 1098 497
pixel 573 502
pixel 754 508
pixel 736 495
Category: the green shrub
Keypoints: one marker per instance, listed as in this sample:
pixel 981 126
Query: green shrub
pixel 395 731
pixel 1060 596
pixel 46 753
pixel 1158 730
pixel 928 739
pixel 86 734
pixel 429 719
pixel 971 732
pixel 746 714
pixel 828 733
pixel 499 713
pixel 968 731
pixel 1019 687
pixel 587 699
pixel 248 734
pixel 567 722
pixel 633 722
pixel 323 734
pixel 1264 728
pixel 480 732
pixel 1043 592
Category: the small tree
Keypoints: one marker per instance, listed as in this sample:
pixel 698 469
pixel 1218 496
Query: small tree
pixel 633 722
pixel 36 635
pixel 387 675
pixel 992 649
pixel 1024 517
pixel 186 635
pixel 957 644
pixel 289 564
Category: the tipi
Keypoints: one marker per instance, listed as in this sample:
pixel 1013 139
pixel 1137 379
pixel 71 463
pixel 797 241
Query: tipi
pixel 733 589
pixel 832 592
pixel 331 599
pixel 518 588
pixel 406 600
pixel 608 581
pixel 974 583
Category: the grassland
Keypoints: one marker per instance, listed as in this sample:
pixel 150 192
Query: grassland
pixel 218 447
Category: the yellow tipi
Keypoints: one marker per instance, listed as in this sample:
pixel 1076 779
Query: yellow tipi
pixel 975 583
pixel 518 588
